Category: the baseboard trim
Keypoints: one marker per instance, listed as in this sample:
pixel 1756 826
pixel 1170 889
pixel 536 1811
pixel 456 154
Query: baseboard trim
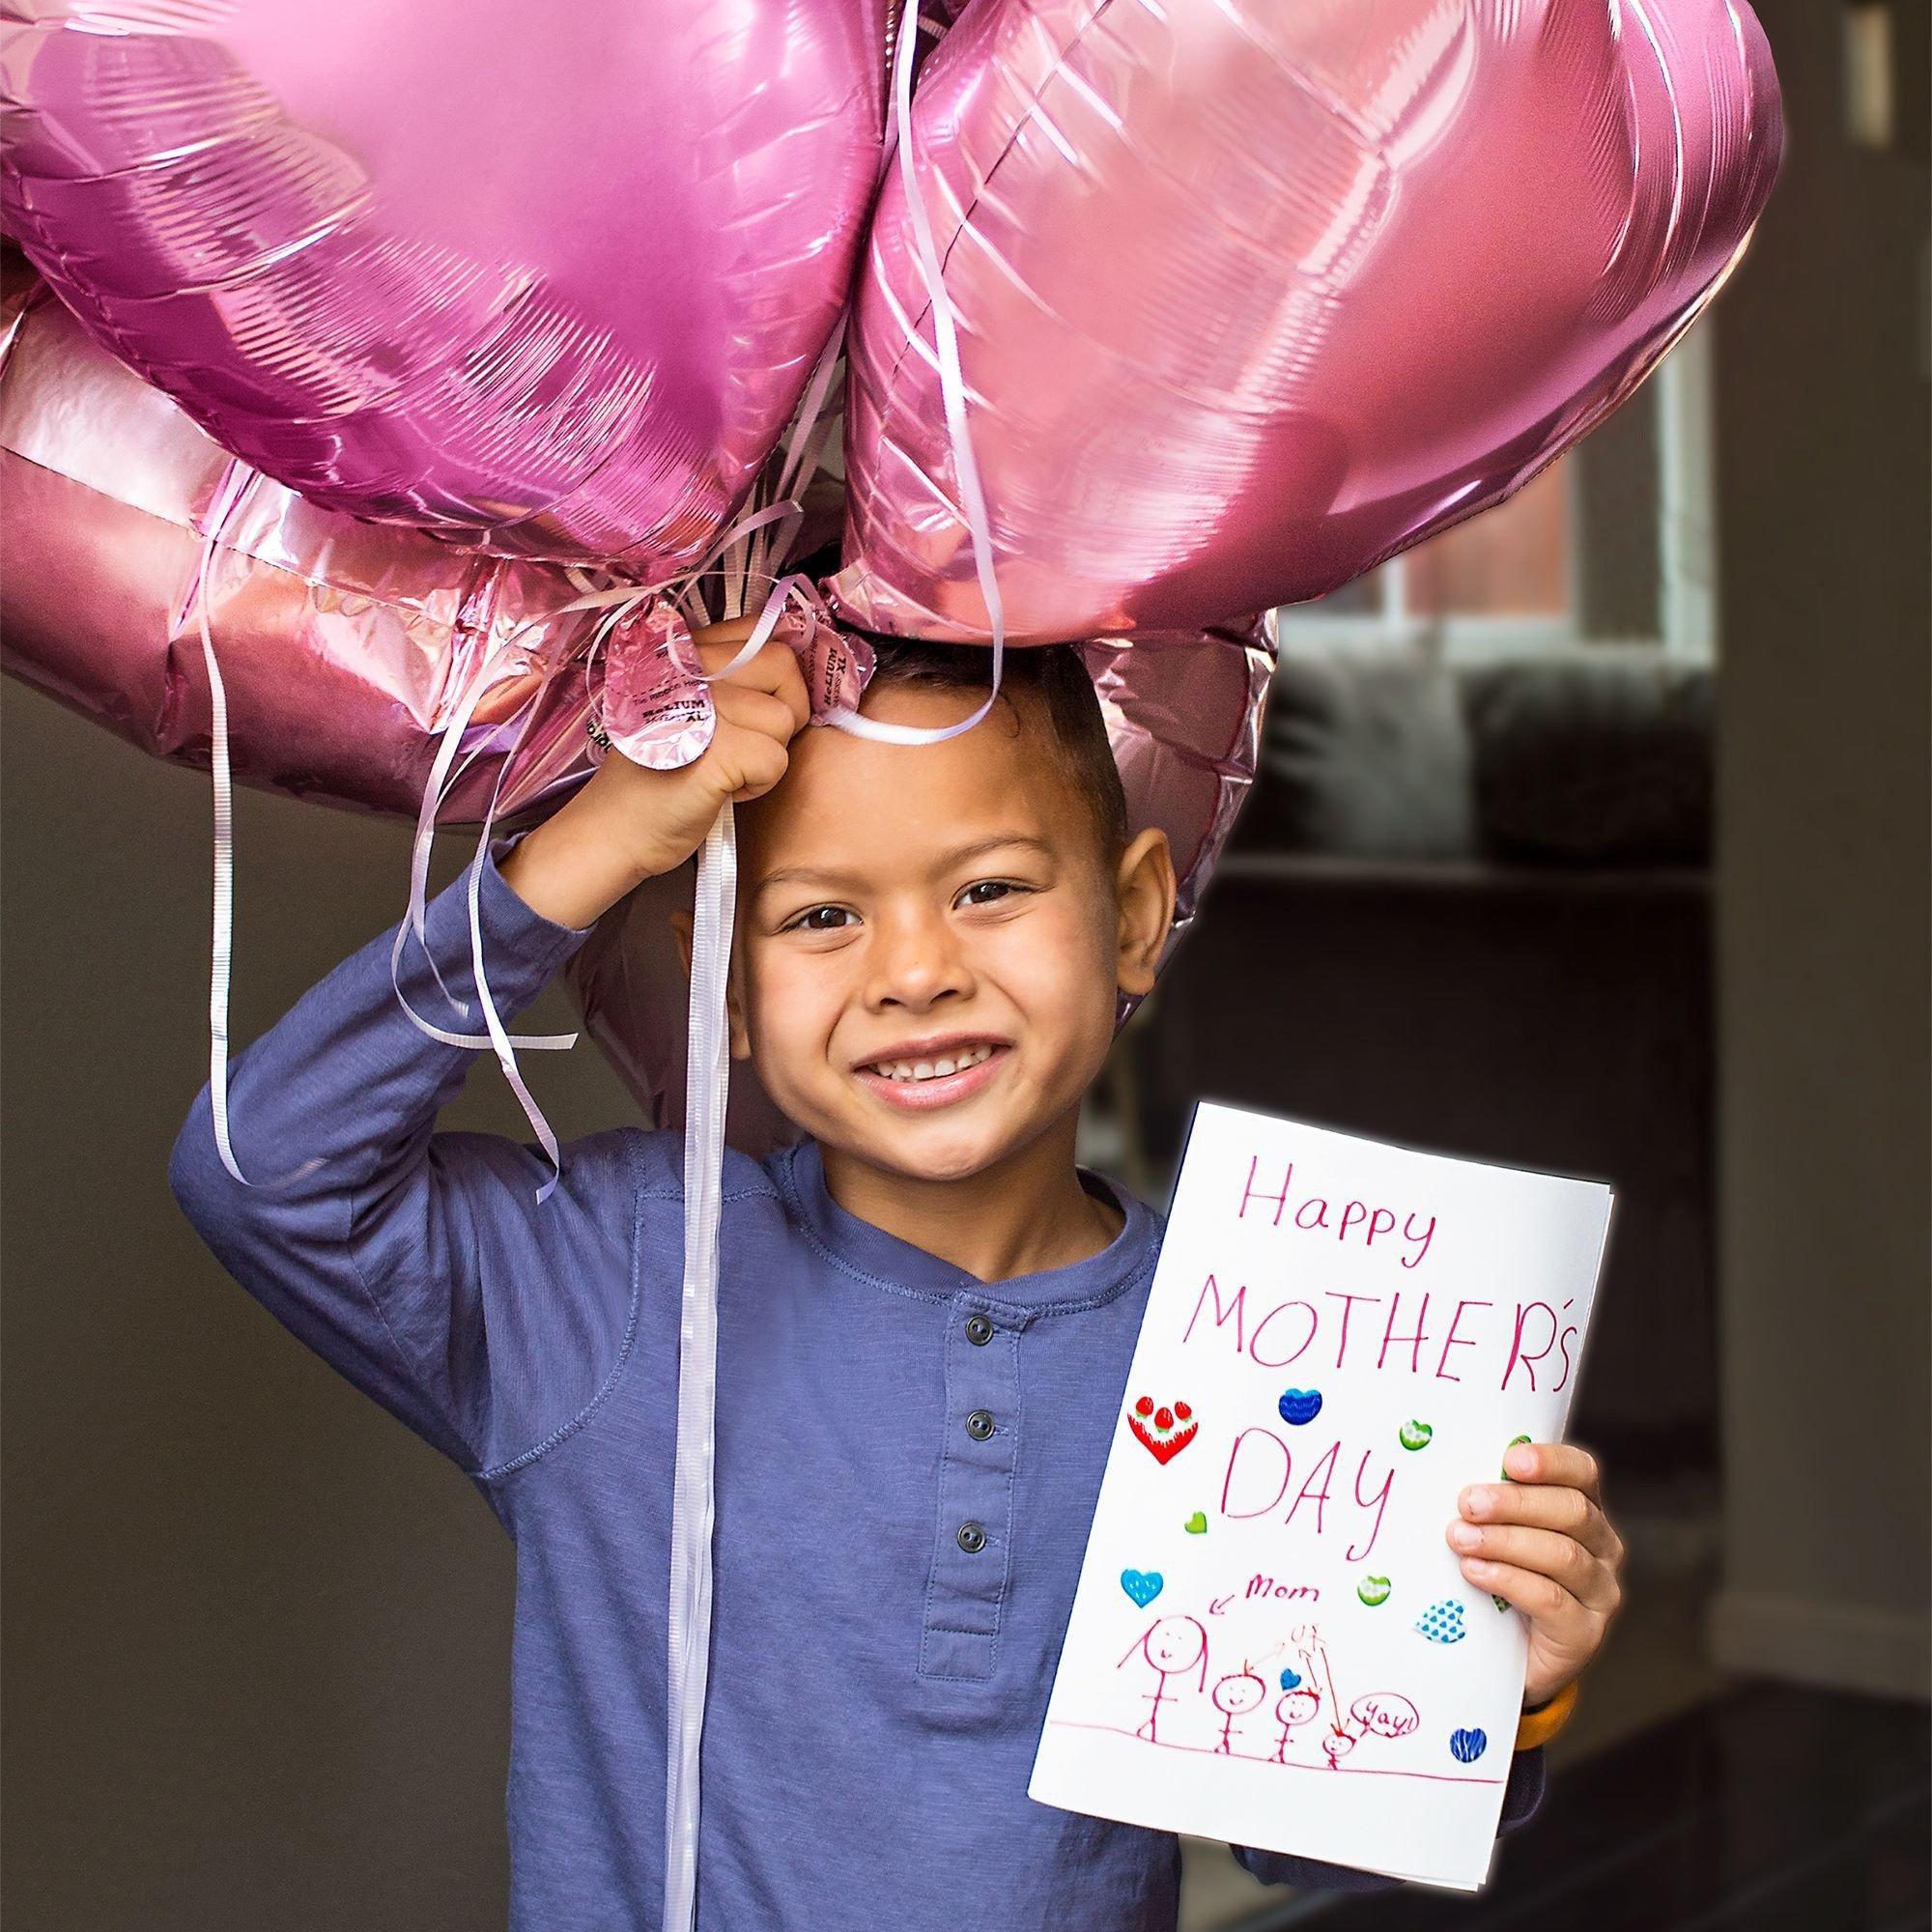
pixel 1835 1646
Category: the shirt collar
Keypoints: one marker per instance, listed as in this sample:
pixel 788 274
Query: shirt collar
pixel 870 1252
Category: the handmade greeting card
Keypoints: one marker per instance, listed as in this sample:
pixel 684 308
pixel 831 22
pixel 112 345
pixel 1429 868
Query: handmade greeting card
pixel 1271 1643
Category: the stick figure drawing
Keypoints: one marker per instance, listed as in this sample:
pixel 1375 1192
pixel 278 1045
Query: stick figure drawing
pixel 1297 1707
pixel 1235 1696
pixel 1173 1647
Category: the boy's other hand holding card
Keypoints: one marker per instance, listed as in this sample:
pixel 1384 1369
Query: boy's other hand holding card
pixel 1542 1543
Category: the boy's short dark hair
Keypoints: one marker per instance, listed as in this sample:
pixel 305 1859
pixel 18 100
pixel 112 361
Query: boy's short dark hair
pixel 1051 678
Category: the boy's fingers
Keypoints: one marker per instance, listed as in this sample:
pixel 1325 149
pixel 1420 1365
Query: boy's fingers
pixel 757 760
pixel 726 635
pixel 774 670
pixel 753 709
pixel 1568 1511
pixel 774 667
pixel 1562 1464
pixel 1545 1552
pixel 1538 1597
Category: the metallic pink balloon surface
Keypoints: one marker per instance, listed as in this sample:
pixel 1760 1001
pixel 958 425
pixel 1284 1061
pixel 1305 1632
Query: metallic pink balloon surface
pixel 548 281
pixel 346 647
pixel 1183 714
pixel 1251 296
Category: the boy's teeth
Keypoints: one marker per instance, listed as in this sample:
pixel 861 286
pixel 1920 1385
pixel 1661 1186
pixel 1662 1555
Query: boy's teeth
pixel 931 1070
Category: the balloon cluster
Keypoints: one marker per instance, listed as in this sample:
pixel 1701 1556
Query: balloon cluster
pixel 1243 298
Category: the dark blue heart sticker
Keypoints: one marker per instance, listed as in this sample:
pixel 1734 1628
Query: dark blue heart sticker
pixel 1291 1680
pixel 1300 1405
pixel 1467 1747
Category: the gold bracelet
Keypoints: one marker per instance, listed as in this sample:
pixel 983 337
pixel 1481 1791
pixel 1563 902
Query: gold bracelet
pixel 1539 1726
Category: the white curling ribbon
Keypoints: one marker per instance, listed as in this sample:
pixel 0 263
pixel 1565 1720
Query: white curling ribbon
pixel 615 603
pixel 504 1045
pixel 440 780
pixel 221 943
pixel 952 391
pixel 707 1071
pixel 706 1093
pixel 498 1039
pixel 228 494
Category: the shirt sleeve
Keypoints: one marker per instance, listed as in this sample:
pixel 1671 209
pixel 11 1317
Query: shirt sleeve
pixel 1522 1793
pixel 421 1265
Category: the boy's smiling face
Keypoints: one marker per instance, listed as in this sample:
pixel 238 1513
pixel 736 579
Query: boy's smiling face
pixel 902 907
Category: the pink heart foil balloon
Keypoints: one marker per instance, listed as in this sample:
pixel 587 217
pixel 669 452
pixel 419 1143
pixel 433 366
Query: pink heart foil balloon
pixel 346 647
pixel 549 282
pixel 1251 296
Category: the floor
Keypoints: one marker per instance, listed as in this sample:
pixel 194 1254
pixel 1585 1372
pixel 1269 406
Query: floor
pixel 1680 1800
pixel 1770 1809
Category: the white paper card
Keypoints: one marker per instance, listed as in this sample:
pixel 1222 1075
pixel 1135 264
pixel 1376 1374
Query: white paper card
pixel 1271 1643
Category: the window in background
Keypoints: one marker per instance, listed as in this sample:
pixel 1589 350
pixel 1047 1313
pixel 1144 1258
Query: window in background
pixel 1607 549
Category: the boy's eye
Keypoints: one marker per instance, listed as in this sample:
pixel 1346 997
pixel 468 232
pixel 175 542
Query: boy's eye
pixel 989 892
pixel 818 919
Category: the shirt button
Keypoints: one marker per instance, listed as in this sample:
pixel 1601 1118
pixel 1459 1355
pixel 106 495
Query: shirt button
pixel 979 1425
pixel 979 1330
pixel 971 1538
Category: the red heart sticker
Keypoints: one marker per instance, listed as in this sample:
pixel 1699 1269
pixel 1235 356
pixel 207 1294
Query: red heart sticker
pixel 1164 1432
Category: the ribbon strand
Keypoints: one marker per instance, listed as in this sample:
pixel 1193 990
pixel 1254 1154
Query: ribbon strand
pixel 953 393
pixel 688 1620
pixel 228 494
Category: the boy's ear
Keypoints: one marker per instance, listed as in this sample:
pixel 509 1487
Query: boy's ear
pixel 735 1005
pixel 1143 884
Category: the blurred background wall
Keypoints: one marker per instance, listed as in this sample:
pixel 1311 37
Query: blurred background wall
pixel 257 1636
pixel 1823 868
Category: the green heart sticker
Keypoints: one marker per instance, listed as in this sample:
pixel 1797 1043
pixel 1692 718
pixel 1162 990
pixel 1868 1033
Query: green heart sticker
pixel 1196 1525
pixel 1414 1434
pixel 1373 1590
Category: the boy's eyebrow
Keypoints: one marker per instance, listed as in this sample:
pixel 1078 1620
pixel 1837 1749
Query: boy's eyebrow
pixel 816 875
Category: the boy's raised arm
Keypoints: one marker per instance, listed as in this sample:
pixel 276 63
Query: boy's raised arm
pixel 419 1263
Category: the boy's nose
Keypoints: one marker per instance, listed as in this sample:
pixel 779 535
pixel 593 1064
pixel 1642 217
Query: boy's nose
pixel 914 965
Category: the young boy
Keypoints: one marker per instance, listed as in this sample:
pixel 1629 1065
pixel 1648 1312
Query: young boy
pixel 925 1316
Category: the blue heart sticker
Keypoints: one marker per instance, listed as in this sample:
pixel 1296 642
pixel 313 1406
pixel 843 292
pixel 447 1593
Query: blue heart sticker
pixel 1291 1680
pixel 1300 1405
pixel 1442 1623
pixel 1467 1747
pixel 1142 1585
